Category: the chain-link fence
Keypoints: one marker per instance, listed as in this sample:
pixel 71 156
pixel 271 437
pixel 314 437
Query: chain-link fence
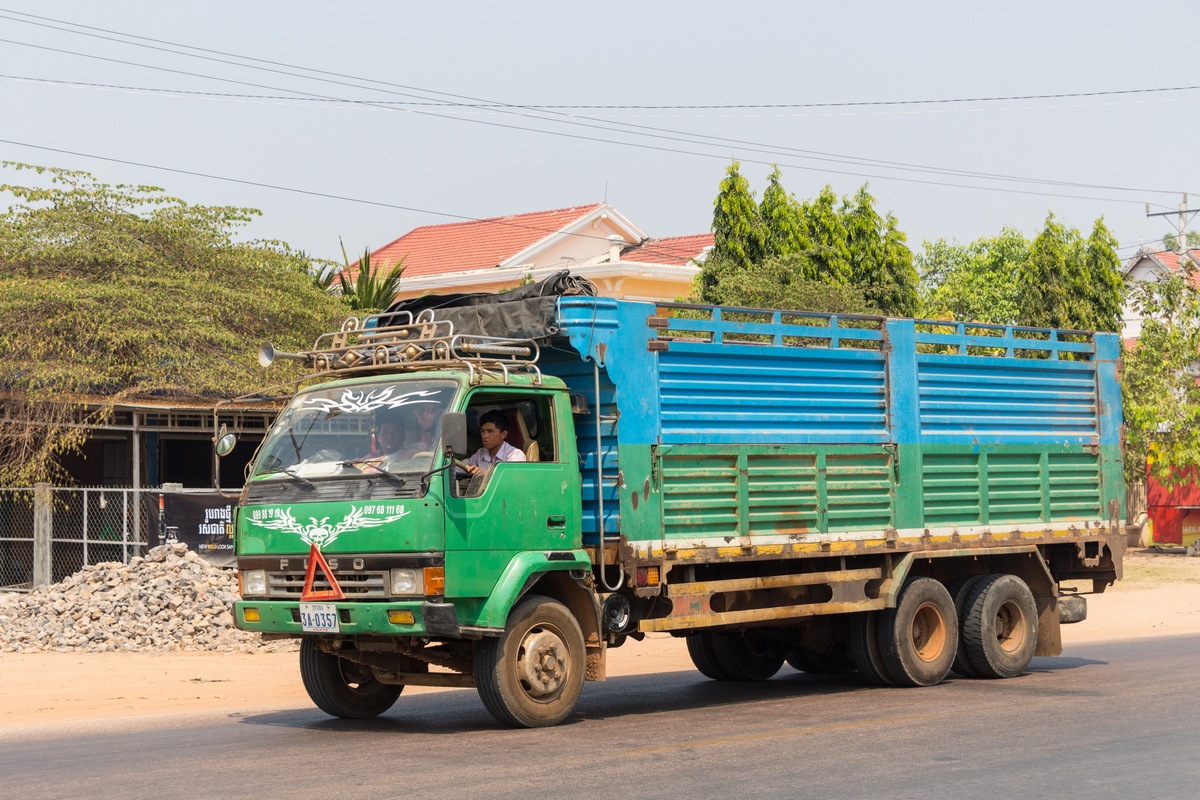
pixel 16 539
pixel 91 526
pixel 48 533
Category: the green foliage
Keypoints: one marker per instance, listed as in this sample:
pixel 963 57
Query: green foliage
pixel 737 230
pixel 115 292
pixel 783 223
pixel 1171 241
pixel 1058 280
pixel 372 290
pixel 1103 288
pixel 782 283
pixel 1161 395
pixel 1069 283
pixel 824 241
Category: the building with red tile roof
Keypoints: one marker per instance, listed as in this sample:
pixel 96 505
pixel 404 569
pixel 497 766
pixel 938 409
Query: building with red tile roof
pixel 1152 265
pixel 594 241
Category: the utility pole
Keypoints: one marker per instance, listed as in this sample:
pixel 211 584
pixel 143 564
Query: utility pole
pixel 1181 226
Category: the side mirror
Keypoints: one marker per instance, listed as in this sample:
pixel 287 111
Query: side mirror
pixel 225 442
pixel 454 433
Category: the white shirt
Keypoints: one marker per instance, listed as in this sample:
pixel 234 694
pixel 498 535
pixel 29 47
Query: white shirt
pixel 506 452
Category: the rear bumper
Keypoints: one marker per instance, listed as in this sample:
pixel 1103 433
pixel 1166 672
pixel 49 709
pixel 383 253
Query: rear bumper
pixel 355 618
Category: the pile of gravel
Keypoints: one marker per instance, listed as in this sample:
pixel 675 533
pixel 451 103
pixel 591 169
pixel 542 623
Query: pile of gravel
pixel 170 600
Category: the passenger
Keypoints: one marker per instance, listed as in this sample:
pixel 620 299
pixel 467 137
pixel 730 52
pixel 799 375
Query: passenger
pixel 389 437
pixel 426 415
pixel 493 431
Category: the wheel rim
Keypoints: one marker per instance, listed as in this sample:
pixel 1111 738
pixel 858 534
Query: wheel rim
pixel 928 633
pixel 1011 629
pixel 357 677
pixel 542 660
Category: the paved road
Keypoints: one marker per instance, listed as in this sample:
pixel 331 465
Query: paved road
pixel 1114 720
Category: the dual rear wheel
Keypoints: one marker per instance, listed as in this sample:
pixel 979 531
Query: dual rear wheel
pixel 984 626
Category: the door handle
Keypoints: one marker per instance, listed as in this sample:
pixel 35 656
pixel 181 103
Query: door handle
pixel 556 521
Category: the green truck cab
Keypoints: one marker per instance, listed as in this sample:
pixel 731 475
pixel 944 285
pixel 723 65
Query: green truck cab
pixel 848 495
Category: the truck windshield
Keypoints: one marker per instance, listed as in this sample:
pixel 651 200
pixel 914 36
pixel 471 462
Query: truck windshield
pixel 369 429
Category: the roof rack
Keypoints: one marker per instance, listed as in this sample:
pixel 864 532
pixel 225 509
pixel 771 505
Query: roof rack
pixel 398 342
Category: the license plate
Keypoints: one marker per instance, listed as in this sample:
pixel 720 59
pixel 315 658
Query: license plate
pixel 318 618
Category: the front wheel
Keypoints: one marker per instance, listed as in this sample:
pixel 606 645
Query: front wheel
pixel 342 688
pixel 531 675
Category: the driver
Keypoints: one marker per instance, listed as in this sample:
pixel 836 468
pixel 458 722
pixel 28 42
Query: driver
pixel 493 432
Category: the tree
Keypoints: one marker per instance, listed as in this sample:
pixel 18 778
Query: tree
pixel 1104 287
pixel 372 290
pixel 737 230
pixel 826 240
pixel 1048 280
pixel 783 221
pixel 781 283
pixel 829 251
pixel 1160 391
pixel 109 293
pixel 974 281
pixel 1171 241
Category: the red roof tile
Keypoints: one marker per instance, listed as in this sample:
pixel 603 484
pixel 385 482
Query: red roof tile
pixel 478 244
pixel 677 250
pixel 1170 260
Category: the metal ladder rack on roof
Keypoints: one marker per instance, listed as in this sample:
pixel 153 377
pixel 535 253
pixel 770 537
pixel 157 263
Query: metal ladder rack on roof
pixel 398 341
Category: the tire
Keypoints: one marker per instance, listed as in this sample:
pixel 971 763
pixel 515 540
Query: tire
pixel 745 659
pixel 834 662
pixel 342 688
pixel 960 590
pixel 1000 627
pixel 531 676
pixel 919 637
pixel 799 659
pixel 864 649
pixel 704 656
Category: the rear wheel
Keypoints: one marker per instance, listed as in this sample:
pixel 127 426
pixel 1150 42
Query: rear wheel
pixel 342 688
pixel 836 661
pixel 919 637
pixel 864 649
pixel 747 658
pixel 531 676
pixel 1000 627
pixel 960 590
pixel 704 656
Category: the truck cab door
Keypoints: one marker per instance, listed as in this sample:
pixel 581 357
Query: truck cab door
pixel 519 506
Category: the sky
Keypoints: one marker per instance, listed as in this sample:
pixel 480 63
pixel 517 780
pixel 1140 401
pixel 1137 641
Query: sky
pixel 360 121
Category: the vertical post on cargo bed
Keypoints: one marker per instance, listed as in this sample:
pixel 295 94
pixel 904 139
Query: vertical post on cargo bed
pixel 904 418
pixel 600 532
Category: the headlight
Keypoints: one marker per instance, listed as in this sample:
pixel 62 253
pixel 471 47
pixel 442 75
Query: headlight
pixel 254 583
pixel 407 582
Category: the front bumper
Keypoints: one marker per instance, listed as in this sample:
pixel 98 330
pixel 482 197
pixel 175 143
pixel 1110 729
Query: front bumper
pixel 355 618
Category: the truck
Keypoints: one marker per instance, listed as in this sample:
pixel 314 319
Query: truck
pixel 896 499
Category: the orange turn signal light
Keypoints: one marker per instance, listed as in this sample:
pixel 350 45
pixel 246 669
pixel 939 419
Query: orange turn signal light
pixel 400 617
pixel 435 580
pixel 250 614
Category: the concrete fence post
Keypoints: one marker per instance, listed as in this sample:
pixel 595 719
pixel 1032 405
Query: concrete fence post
pixel 42 534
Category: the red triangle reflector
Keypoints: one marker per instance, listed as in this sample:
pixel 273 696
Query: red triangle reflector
pixel 334 592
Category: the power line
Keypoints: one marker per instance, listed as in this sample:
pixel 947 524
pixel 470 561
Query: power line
pixel 327 195
pixel 621 143
pixel 677 136
pixel 656 107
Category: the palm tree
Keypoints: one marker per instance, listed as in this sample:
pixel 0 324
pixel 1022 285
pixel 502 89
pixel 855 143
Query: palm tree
pixel 373 290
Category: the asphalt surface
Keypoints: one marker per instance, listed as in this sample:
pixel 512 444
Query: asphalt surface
pixel 1107 720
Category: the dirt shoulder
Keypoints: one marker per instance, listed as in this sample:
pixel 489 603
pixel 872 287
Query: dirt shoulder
pixel 45 692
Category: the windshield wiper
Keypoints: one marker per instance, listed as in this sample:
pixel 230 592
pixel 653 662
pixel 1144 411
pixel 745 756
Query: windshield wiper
pixel 299 478
pixel 362 462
